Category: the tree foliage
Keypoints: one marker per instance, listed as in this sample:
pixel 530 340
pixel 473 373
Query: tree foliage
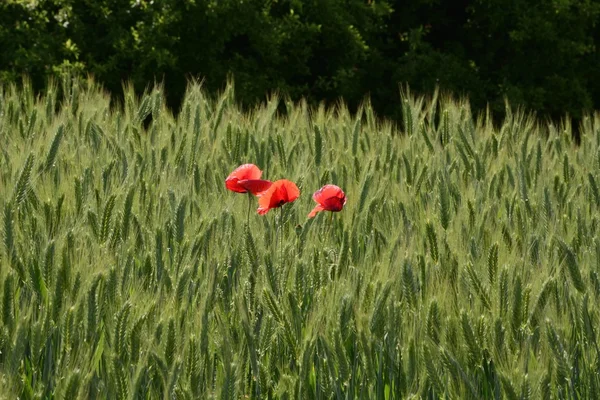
pixel 540 54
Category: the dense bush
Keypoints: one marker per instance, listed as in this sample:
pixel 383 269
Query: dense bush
pixel 541 54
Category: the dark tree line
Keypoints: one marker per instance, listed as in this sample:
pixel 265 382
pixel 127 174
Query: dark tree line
pixel 542 54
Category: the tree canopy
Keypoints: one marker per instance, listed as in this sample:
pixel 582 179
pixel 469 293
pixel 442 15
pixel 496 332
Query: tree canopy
pixel 541 54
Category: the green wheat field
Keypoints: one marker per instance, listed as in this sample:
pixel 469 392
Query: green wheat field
pixel 465 264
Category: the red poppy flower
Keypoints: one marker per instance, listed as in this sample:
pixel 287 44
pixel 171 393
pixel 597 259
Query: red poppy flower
pixel 246 178
pixel 330 198
pixel 255 186
pixel 280 192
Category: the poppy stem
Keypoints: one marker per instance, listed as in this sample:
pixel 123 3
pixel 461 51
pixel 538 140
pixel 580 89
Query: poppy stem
pixel 281 236
pixel 331 223
pixel 249 208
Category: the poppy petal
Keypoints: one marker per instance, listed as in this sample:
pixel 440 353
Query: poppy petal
pixel 255 186
pixel 292 191
pixel 326 192
pixel 264 201
pixel 246 171
pixel 318 208
pixel 232 184
pixel 330 197
pixel 267 200
pixel 243 172
pixel 280 192
pixel 334 204
pixel 262 211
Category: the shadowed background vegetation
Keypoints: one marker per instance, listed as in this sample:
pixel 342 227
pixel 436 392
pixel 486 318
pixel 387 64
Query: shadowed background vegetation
pixel 465 264
pixel 542 54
